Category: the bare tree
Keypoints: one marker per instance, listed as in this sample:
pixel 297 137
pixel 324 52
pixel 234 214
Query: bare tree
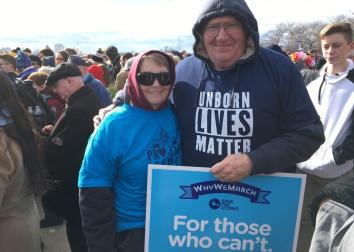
pixel 305 36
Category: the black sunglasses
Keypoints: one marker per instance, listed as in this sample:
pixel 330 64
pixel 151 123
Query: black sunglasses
pixel 147 78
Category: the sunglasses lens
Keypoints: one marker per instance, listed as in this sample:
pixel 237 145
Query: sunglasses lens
pixel 164 79
pixel 147 79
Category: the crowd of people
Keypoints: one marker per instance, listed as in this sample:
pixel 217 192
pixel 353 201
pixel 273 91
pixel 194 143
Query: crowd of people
pixel 277 112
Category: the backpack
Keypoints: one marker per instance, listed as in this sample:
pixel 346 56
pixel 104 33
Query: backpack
pixel 34 103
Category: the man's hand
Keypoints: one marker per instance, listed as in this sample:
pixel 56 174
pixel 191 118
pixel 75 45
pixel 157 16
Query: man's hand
pixel 47 130
pixel 233 168
pixel 97 119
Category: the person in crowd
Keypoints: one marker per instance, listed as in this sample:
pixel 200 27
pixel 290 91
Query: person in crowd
pixel 8 65
pixel 36 61
pixel 332 94
pixel 38 79
pixel 97 72
pixel 24 65
pixel 47 57
pixel 351 56
pixel 22 176
pixel 64 149
pixel 98 57
pixel 56 104
pixel 45 52
pixel 113 175
pixel 305 64
pixel 97 87
pixel 242 109
pixel 113 60
pixel 122 76
pixel 70 51
pixel 278 49
pixel 61 57
pixel 332 212
pixel 107 75
pixel 27 51
pixel 124 59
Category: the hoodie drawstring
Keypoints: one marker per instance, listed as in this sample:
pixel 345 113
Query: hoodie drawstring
pixel 321 85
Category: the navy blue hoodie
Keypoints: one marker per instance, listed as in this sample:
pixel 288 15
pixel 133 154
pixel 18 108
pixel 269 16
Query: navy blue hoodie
pixel 260 106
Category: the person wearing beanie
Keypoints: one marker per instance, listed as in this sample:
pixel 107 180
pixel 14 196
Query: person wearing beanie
pixel 24 65
pixel 113 175
pixel 65 146
pixel 114 60
pixel 97 72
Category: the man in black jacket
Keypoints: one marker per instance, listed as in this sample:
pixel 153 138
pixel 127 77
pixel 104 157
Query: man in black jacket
pixel 66 145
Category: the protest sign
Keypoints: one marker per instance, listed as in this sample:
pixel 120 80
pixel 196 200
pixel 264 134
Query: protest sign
pixel 188 209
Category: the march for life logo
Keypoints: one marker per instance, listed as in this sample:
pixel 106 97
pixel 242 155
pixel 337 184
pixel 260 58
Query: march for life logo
pixel 188 210
pixel 223 123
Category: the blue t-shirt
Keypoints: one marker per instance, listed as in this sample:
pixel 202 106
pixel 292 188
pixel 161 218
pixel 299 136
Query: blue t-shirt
pixel 118 154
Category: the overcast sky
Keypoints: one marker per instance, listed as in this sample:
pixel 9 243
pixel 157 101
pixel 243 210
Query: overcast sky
pixel 136 24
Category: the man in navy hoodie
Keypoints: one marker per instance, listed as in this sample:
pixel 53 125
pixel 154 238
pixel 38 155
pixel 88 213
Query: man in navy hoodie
pixel 242 109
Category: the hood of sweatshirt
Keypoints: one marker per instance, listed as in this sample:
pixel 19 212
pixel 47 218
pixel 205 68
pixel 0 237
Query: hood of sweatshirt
pixel 218 8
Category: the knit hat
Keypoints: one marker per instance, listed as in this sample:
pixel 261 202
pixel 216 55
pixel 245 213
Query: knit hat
pixel 62 71
pixel 22 60
pixel 97 72
pixel 112 52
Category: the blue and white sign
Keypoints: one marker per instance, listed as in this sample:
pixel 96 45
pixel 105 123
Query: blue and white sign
pixel 187 209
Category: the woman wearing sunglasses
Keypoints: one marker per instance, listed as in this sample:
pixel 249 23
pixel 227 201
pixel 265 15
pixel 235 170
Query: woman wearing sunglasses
pixel 113 174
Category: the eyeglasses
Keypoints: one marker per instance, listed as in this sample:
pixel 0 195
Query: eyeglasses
pixel 147 78
pixel 228 27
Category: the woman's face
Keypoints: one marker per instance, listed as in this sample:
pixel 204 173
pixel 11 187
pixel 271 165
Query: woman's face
pixel 155 94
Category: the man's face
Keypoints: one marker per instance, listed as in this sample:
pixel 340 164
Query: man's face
pixel 336 49
pixel 63 88
pixel 224 40
pixel 6 66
